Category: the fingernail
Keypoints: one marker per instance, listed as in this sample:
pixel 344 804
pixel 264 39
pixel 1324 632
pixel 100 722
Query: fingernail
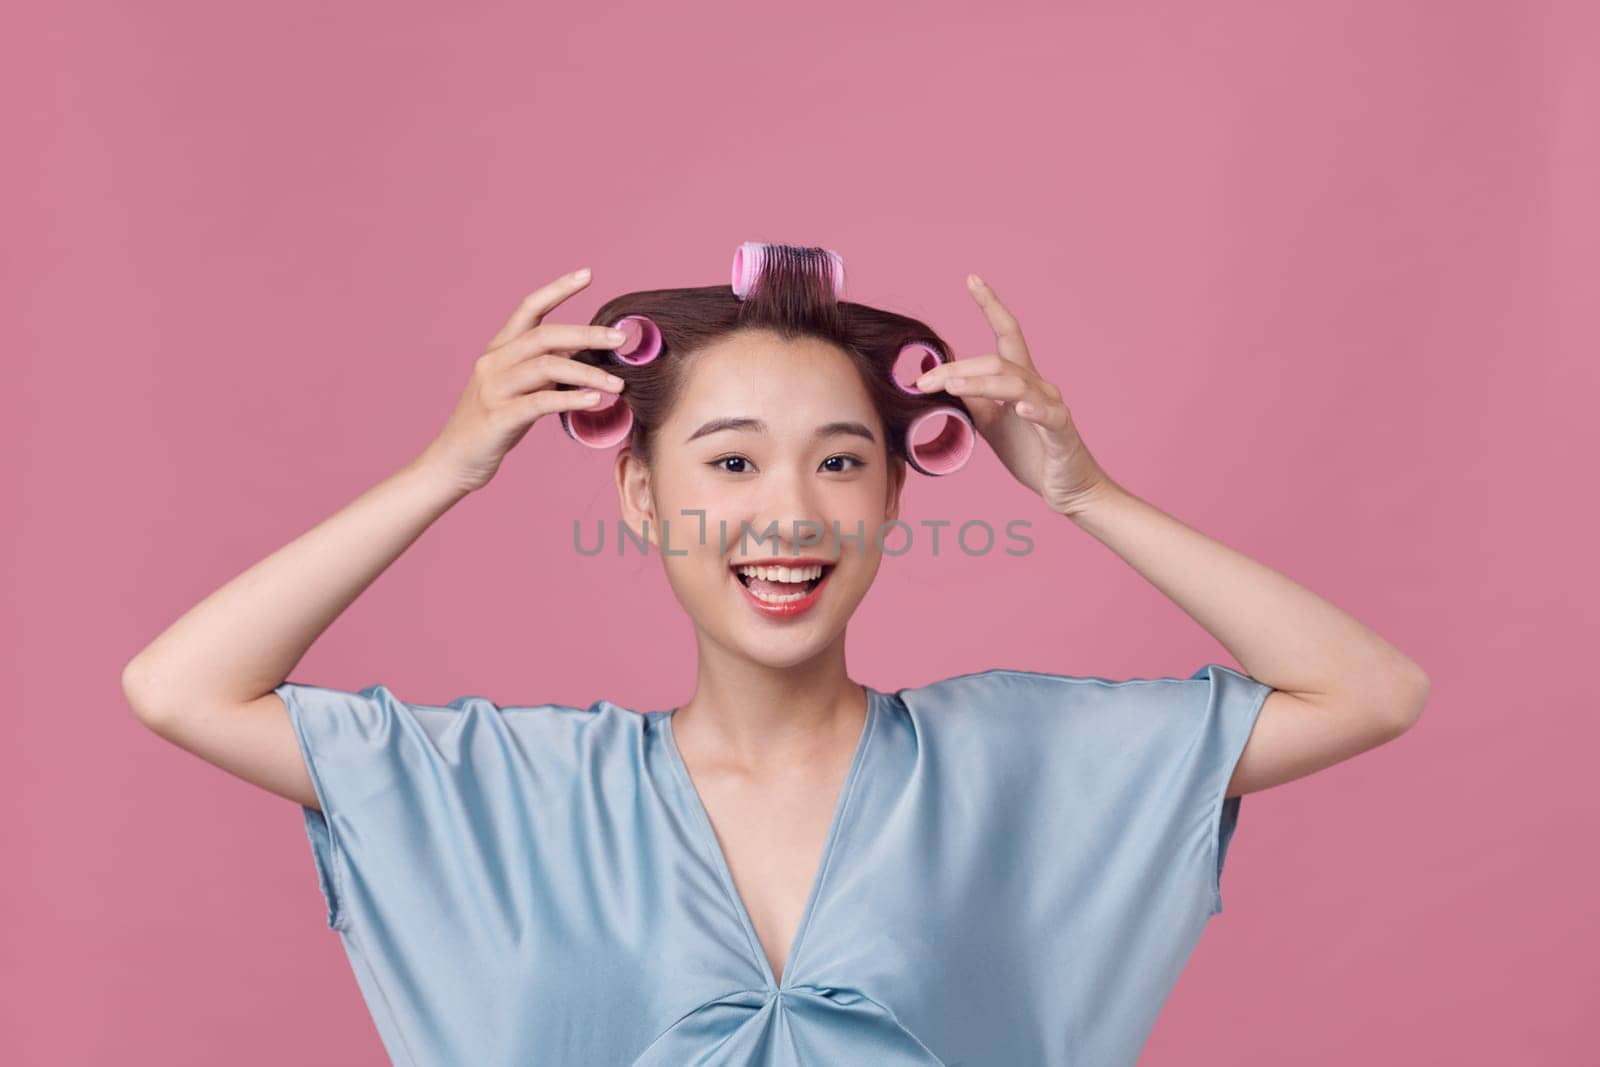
pixel 613 379
pixel 581 274
pixel 590 395
pixel 616 335
pixel 974 281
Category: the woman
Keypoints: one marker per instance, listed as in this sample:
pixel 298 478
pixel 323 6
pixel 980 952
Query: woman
pixel 1005 866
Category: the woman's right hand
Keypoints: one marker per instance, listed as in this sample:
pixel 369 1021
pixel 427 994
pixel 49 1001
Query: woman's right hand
pixel 513 385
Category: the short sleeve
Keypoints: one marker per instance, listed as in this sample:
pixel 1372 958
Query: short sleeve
pixel 1128 771
pixel 358 748
pixel 1233 702
pixel 444 809
pixel 421 804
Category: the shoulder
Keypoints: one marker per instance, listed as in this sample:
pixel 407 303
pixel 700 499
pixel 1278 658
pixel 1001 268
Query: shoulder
pixel 376 719
pixel 1084 714
pixel 1031 694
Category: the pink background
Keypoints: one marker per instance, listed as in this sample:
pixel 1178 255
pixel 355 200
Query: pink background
pixel 1318 278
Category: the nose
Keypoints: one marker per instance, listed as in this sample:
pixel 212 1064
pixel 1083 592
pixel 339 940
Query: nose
pixel 790 513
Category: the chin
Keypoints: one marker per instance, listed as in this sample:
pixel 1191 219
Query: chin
pixel 780 659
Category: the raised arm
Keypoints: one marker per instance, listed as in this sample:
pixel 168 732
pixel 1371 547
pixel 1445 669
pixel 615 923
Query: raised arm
pixel 206 682
pixel 1339 687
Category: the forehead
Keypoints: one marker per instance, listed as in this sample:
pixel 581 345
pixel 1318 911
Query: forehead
pixel 769 376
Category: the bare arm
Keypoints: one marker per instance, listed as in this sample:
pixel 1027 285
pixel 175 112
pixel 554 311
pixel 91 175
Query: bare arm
pixel 245 638
pixel 1340 687
pixel 205 683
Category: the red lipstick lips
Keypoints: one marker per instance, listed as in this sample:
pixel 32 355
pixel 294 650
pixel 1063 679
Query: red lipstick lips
pixel 789 608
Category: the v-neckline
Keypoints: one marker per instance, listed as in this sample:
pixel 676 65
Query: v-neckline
pixel 709 841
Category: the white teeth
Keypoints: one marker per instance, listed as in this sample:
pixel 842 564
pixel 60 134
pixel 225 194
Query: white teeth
pixel 783 574
pixel 788 575
pixel 784 599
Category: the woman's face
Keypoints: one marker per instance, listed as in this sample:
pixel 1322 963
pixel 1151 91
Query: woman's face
pixel 776 441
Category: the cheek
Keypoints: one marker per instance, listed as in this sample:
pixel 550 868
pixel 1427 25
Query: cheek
pixel 695 506
pixel 720 498
pixel 866 502
pixel 696 583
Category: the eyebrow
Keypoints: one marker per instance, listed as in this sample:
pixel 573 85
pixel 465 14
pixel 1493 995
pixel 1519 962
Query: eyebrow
pixel 745 422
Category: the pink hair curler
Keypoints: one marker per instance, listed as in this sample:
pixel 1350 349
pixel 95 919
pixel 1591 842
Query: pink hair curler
pixel 750 260
pixel 643 342
pixel 611 423
pixel 913 361
pixel 946 451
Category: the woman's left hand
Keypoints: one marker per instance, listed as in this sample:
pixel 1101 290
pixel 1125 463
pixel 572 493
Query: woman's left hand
pixel 1020 414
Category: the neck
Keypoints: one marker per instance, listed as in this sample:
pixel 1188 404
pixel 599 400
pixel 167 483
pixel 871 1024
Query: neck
pixel 754 718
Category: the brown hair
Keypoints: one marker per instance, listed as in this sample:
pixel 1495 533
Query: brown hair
pixel 793 298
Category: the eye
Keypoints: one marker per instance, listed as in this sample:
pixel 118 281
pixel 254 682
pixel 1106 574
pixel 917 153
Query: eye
pixel 856 460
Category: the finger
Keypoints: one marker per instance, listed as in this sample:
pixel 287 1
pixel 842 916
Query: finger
pixel 548 401
pixel 1000 388
pixel 1007 332
pixel 539 303
pixel 560 337
pixel 543 371
pixel 1052 416
pixel 970 367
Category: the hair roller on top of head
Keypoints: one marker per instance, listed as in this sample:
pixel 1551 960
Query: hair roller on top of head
pixel 609 424
pixel 754 260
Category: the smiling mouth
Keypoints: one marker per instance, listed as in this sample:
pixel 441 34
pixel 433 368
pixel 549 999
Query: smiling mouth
pixel 798 587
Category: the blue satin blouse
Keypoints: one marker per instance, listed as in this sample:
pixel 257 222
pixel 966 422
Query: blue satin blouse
pixel 1018 867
